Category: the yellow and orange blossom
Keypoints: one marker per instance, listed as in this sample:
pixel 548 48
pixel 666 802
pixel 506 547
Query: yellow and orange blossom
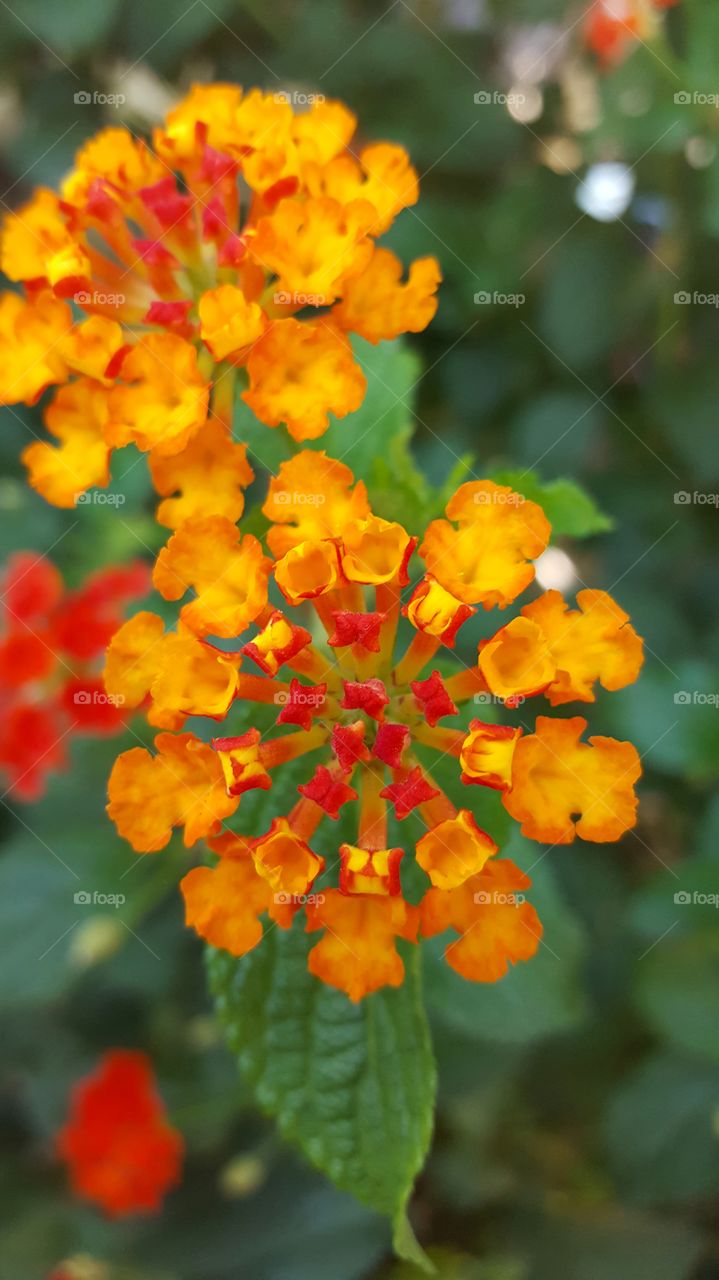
pixel 366 721
pixel 238 248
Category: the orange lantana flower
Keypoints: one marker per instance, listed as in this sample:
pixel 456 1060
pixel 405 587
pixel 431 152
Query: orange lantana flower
pixel 185 288
pixel 361 720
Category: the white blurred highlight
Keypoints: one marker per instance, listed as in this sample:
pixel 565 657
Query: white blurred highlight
pixel 555 570
pixel 606 191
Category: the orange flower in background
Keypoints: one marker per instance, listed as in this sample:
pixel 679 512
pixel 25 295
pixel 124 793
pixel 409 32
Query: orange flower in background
pixel 361 717
pixel 51 643
pixel 612 27
pixel 119 1147
pixel 236 251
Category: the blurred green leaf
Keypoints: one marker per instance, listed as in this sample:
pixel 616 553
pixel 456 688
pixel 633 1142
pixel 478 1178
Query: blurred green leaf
pixel 568 508
pixel 662 1129
pixel 677 990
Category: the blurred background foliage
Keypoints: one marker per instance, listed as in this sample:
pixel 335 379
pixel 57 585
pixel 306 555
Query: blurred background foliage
pixel 577 1135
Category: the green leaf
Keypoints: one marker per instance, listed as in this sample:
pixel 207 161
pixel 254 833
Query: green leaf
pixel 677 988
pixel 670 1108
pixel 570 511
pixel 353 1085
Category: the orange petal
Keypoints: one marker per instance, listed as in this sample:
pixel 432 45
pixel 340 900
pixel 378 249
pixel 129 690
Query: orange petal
pixel 285 861
pixel 181 786
pixel 31 235
pixel 134 657
pixel 358 953
pixel 228 322
pixel 313 245
pixel 228 573
pixel 308 570
pixel 31 336
pixel 208 476
pixel 375 550
pixel 454 850
pixel 300 372
pixel 487 754
pixel 486 559
pixel 516 662
pixel 163 398
pixel 594 642
pixel 223 904
pixel 77 417
pixel 378 306
pixel 311 498
pixel 555 777
pixel 496 926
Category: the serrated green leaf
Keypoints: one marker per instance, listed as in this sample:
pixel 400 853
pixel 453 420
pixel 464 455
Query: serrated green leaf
pixel 353 1085
pixel 570 511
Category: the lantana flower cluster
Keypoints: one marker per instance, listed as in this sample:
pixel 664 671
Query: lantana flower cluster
pixel 52 642
pixel 240 245
pixel 310 633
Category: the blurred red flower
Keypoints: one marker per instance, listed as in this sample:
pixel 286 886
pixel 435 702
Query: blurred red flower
pixel 120 1149
pixel 51 644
